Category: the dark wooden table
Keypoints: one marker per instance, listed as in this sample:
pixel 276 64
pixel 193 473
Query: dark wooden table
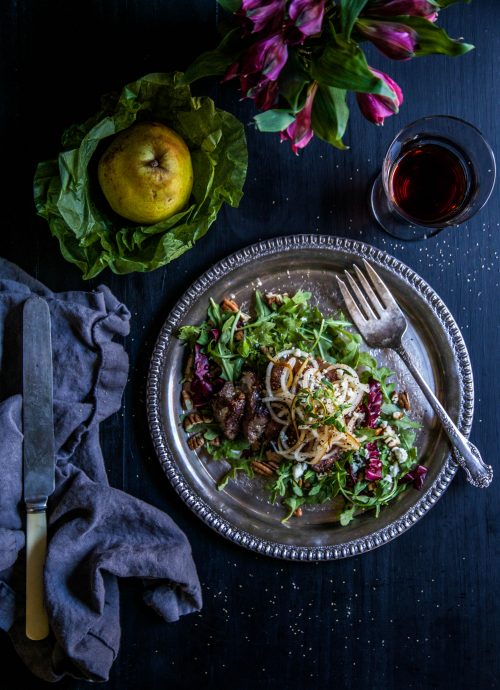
pixel 421 612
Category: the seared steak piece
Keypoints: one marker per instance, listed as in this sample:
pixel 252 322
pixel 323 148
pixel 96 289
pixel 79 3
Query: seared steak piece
pixel 331 375
pixel 273 429
pixel 256 413
pixel 327 464
pixel 228 406
pixel 276 373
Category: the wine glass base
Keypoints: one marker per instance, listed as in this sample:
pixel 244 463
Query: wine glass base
pixel 389 222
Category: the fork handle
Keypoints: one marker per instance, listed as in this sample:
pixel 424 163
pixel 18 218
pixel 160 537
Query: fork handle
pixel 478 473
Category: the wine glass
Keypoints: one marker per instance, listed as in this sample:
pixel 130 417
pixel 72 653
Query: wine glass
pixel 438 172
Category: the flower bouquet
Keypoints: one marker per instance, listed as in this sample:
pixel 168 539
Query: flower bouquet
pixel 297 59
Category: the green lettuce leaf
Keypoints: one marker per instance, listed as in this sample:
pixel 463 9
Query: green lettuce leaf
pixel 67 193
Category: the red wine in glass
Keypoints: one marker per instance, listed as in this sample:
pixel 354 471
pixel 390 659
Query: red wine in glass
pixel 430 183
pixel 437 172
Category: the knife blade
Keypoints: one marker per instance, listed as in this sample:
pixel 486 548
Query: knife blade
pixel 38 454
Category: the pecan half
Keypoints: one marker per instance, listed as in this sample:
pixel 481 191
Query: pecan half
pixel 229 305
pixel 262 468
pixel 196 442
pixel 196 418
pixel 404 400
pixel 188 371
pixel 275 298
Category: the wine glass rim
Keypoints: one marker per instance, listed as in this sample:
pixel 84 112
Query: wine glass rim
pixel 426 118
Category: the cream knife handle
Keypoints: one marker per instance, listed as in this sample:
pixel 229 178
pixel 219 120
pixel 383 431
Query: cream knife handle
pixel 37 623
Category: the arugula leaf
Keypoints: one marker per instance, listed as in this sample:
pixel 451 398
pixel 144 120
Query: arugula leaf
pixel 292 502
pixel 407 438
pixel 261 308
pixel 189 334
pixel 347 515
pixel 228 449
pixel 314 490
pixel 215 314
pixel 389 408
pixel 405 423
pixel 231 451
pixel 241 465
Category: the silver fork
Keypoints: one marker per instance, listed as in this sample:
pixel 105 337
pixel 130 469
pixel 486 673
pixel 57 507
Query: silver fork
pixel 382 324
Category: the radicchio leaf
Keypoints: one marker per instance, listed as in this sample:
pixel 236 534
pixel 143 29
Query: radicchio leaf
pixel 373 404
pixel 417 476
pixel 373 469
pixel 202 387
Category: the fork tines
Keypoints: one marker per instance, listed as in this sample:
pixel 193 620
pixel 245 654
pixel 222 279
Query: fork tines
pixel 370 302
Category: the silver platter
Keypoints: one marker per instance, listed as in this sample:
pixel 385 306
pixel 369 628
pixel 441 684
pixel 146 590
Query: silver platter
pixel 242 512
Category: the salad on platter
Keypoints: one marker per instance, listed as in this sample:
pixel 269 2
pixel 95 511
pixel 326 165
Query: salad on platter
pixel 288 394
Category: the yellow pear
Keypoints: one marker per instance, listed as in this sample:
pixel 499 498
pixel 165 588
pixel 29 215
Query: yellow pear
pixel 146 173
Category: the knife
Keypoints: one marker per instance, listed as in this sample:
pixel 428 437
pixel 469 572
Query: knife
pixel 38 455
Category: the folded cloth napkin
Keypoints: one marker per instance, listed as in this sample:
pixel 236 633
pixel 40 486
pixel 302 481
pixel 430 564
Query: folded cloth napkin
pixel 96 533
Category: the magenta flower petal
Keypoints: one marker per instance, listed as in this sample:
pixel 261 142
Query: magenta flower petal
pixel 395 40
pixel 265 94
pixel 232 72
pixel 307 16
pixel 267 56
pixel 300 132
pixel 376 108
pixel 394 8
pixel 263 14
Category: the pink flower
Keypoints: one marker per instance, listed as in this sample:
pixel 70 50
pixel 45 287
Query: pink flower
pixel 307 16
pixel 376 108
pixel 395 40
pixel 267 56
pixel 300 132
pixel 259 68
pixel 265 94
pixel 394 8
pixel 263 13
pixel 373 469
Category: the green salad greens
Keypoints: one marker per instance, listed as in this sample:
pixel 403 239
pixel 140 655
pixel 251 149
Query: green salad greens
pixel 288 393
pixel 67 193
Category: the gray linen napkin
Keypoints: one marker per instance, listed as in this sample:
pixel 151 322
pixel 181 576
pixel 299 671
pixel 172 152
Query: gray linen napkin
pixel 96 533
